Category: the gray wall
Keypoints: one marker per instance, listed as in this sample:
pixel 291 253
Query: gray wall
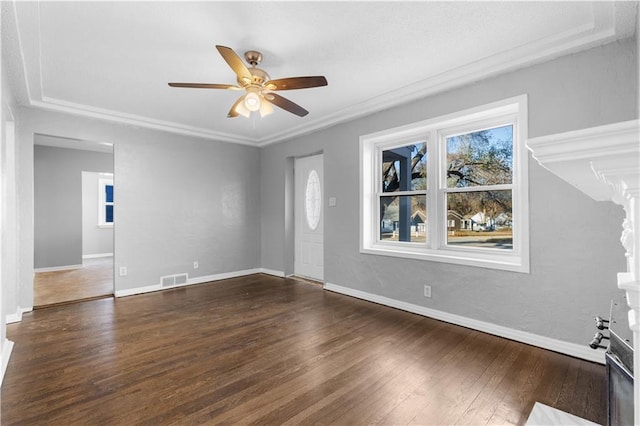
pixel 179 199
pixel 95 239
pixel 574 240
pixel 58 202
pixel 182 200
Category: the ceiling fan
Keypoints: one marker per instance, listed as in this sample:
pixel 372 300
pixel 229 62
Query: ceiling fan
pixel 258 86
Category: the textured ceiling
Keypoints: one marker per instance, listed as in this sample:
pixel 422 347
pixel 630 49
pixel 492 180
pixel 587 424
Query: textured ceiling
pixel 112 60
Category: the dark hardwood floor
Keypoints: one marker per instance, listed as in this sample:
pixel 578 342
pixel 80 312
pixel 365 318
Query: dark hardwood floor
pixel 268 350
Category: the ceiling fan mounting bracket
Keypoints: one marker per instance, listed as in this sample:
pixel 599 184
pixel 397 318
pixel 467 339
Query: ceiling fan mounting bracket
pixel 253 57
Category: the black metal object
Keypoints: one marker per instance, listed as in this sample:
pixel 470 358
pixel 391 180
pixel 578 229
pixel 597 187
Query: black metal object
pixel 619 362
pixel 621 343
pixel 620 335
pixel 619 392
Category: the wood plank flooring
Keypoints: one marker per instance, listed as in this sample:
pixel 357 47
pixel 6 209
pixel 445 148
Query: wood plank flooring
pixel 94 279
pixel 267 350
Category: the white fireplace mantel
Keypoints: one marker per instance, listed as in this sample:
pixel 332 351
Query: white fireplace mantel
pixel 604 163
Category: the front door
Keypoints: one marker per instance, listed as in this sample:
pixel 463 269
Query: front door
pixel 309 217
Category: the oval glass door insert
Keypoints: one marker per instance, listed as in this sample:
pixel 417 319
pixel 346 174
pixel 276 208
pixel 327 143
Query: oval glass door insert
pixel 313 200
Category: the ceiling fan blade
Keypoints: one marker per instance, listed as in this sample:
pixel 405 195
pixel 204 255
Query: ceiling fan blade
pixel 286 104
pixel 235 63
pixel 206 86
pixel 296 83
pixel 232 112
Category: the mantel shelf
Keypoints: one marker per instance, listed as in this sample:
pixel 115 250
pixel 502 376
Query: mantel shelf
pixel 574 156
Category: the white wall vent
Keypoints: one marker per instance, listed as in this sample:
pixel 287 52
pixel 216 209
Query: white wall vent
pixel 171 280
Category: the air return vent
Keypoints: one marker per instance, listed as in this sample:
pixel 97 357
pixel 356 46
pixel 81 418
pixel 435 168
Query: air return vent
pixel 171 280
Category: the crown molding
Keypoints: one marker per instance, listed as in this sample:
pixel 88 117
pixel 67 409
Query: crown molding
pixel 547 48
pixel 137 120
pixel 613 21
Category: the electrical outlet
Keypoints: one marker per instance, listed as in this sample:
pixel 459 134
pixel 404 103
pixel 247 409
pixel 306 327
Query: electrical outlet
pixel 427 291
pixel 195 264
pixel 123 271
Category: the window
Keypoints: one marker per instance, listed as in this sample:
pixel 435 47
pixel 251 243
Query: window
pixel 105 200
pixel 450 189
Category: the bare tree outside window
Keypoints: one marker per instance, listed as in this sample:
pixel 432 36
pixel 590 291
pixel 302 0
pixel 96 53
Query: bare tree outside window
pixel 478 162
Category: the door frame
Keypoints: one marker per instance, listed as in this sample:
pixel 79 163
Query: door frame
pixel 289 211
pixel 31 283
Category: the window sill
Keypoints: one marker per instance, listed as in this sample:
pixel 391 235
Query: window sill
pixel 105 225
pixel 504 262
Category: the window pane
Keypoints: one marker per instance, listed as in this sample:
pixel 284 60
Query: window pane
pixel 108 214
pixel 109 193
pixel 405 168
pixel 480 158
pixel 403 218
pixel 480 219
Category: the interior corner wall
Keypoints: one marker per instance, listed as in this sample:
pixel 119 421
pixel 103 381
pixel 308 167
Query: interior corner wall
pixel 574 240
pixel 58 202
pixel 180 199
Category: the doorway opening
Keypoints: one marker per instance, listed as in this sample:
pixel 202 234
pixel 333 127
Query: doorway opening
pixel 73 220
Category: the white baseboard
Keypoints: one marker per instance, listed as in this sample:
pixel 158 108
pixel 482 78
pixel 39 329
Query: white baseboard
pixel 137 290
pixel 192 281
pixel 572 349
pixel 57 268
pixel 7 347
pixel 96 255
pixel 271 272
pixel 17 316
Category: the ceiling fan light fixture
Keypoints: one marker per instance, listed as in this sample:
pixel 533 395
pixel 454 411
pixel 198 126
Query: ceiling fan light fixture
pixel 242 109
pixel 252 100
pixel 265 108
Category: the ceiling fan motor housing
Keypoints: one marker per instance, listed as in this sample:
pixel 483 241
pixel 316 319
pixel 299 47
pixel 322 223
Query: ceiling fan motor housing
pixel 259 77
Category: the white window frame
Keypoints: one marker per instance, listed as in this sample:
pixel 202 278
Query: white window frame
pixel 434 131
pixel 103 180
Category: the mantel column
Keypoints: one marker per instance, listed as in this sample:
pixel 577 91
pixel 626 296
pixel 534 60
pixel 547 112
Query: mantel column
pixel 623 177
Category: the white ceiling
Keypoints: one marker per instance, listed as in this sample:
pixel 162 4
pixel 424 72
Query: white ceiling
pixel 113 60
